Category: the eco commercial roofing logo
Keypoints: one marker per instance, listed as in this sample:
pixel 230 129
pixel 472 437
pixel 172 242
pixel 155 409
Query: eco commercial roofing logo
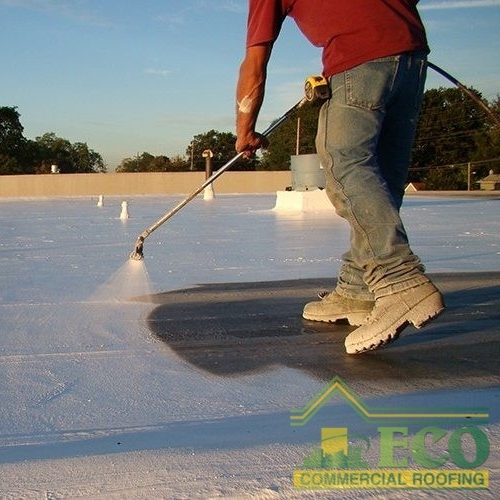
pixel 429 457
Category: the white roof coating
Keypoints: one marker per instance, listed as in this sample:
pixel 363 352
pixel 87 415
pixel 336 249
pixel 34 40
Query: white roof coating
pixel 94 405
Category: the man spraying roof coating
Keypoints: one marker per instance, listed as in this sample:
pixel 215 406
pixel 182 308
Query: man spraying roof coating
pixel 375 60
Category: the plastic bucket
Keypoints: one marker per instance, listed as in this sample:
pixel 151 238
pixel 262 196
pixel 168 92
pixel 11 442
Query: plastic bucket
pixel 307 172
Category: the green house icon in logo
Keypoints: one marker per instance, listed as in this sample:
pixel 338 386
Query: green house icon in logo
pixel 379 415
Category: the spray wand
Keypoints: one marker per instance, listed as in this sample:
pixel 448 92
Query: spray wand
pixel 315 89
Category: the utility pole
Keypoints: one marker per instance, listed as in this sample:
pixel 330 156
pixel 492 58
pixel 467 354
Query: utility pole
pixel 297 145
pixel 192 156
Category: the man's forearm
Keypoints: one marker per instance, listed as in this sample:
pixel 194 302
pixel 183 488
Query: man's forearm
pixel 249 98
pixel 250 92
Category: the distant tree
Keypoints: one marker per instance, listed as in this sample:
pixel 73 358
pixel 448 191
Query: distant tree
pixel 70 158
pixel 159 164
pixel 9 165
pixel 139 163
pixel 146 162
pixel 222 146
pixel 179 164
pixel 283 141
pixel 449 127
pixel 85 160
pixel 452 130
pixel 54 151
pixel 19 155
pixel 11 130
pixel 446 177
pixel 12 141
pixel 488 144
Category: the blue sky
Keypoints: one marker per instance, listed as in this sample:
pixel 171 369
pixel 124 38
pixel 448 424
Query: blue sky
pixel 127 76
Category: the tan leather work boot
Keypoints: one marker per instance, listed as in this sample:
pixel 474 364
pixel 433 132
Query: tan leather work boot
pixel 392 314
pixel 333 307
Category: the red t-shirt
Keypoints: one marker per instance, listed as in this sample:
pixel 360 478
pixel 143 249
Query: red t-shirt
pixel 351 32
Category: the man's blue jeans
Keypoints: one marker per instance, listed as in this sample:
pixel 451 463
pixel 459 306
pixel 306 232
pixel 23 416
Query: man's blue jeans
pixel 365 136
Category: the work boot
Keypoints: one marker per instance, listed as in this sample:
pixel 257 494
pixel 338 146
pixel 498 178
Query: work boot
pixel 333 307
pixel 392 313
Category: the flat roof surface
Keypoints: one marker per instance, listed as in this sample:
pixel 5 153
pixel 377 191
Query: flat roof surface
pixel 177 377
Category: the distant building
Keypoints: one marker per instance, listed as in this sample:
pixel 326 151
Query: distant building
pixel 413 187
pixel 491 182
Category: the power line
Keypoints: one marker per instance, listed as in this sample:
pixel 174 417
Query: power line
pixel 457 165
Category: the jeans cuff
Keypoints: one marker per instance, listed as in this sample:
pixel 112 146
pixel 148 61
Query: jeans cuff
pixel 391 288
pixel 359 294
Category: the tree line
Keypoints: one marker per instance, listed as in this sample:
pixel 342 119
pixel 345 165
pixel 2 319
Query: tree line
pixel 221 144
pixel 19 155
pixel 452 130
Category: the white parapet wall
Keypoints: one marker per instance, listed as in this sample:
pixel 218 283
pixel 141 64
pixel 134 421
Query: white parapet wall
pixel 140 183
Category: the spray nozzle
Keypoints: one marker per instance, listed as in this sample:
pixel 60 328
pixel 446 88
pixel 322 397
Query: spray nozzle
pixel 137 253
